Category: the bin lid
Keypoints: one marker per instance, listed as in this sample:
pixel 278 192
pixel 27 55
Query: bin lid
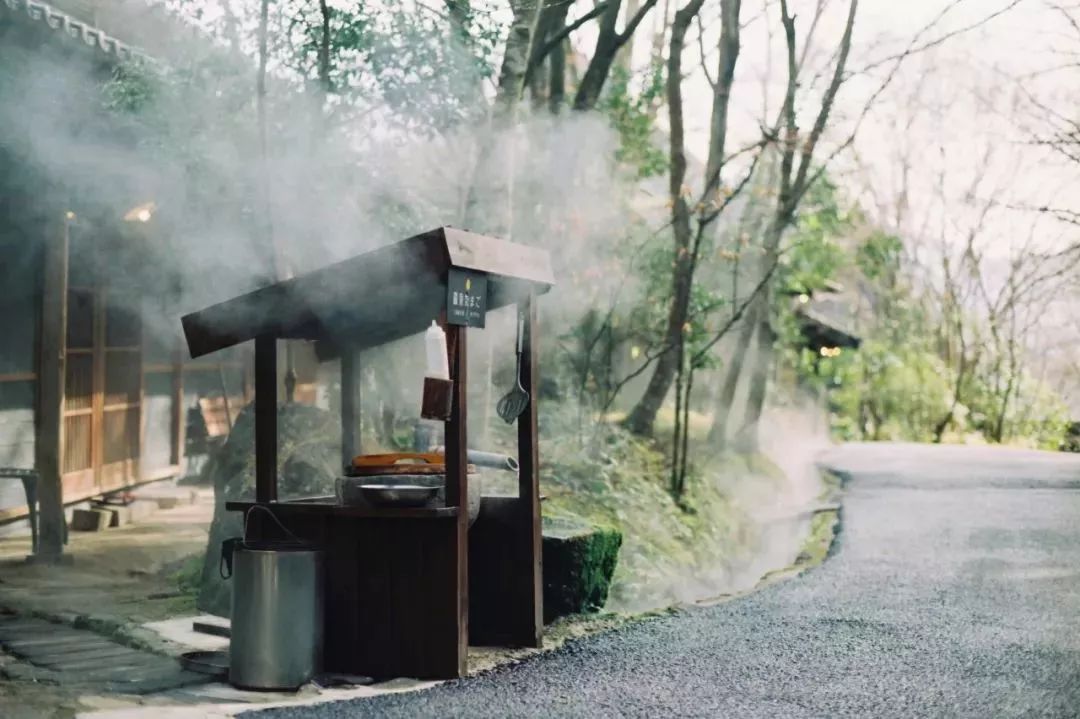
pixel 279 545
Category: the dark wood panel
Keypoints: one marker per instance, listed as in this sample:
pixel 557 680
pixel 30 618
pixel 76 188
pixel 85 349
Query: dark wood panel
pixel 495 556
pixel 390 592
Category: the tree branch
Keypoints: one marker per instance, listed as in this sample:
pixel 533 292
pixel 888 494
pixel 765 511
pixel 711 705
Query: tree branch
pixel 799 186
pixel 912 49
pixel 556 38
pixel 632 24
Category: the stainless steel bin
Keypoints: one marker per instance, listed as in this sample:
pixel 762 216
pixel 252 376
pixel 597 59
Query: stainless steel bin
pixel 277 614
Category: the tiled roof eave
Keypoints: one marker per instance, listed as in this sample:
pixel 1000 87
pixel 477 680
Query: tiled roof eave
pixel 73 29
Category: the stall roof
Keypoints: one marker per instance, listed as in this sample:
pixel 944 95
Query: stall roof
pixel 377 297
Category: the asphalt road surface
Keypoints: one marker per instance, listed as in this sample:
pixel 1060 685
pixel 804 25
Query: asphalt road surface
pixel 953 590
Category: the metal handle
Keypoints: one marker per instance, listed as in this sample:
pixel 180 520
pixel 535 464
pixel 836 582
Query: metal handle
pixel 520 330
pixel 227 549
pixel 520 346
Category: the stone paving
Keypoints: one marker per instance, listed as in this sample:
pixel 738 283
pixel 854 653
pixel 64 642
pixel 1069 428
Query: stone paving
pixel 64 655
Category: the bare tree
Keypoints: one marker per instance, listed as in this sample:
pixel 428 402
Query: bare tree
pixel 689 224
pixel 797 155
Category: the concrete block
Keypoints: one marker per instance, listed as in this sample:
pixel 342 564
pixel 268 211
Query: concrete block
pixel 90 520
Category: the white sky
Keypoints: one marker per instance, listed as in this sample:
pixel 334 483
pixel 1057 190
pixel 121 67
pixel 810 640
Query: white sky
pixel 968 118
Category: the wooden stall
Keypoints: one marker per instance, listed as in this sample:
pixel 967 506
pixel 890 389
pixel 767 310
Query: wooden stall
pixel 406 588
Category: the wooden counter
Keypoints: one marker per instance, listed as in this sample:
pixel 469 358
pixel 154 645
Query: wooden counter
pixel 328 507
pixel 390 599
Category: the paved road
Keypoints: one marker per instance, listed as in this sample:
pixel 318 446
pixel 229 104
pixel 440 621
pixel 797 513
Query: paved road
pixel 954 590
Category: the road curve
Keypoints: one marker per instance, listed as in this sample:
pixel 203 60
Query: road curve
pixel 953 590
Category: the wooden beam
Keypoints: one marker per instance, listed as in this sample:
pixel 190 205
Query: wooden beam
pixel 350 406
pixel 457 481
pixel 266 418
pixel 529 478
pixel 18 377
pixel 52 340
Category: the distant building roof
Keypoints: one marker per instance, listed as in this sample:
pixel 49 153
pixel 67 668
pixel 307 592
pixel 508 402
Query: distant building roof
pixel 73 29
pixel 826 320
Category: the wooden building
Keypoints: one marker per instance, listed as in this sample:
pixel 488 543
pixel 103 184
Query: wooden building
pixel 93 392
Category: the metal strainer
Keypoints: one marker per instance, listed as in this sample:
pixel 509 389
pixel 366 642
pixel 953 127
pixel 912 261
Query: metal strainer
pixel 514 402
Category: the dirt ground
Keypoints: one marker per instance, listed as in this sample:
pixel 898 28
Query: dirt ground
pixel 125 572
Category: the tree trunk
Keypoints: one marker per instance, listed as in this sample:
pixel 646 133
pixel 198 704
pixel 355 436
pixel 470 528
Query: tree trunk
pixel 488 205
pixel 557 81
pixel 643 416
pixel 552 19
pixel 516 56
pixel 596 74
pixel 608 42
pixel 747 441
pixel 324 48
pixel 939 429
pixel 719 430
pixel 624 58
pixel 1007 396
pixel 795 178
pixel 679 428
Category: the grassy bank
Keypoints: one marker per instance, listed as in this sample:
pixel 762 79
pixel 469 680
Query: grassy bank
pixel 670 553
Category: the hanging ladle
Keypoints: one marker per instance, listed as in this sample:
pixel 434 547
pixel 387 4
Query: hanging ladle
pixel 514 402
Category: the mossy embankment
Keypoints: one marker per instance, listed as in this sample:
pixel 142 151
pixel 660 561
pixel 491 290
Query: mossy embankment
pixel 671 551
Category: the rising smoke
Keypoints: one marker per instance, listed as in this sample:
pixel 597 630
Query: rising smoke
pixel 182 134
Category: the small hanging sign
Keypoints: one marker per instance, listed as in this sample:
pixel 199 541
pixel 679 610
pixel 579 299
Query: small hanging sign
pixel 466 297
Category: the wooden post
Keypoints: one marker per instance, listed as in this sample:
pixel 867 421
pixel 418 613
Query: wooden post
pixel 350 406
pixel 457 480
pixel 49 441
pixel 179 415
pixel 266 419
pixel 249 375
pixel 529 473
